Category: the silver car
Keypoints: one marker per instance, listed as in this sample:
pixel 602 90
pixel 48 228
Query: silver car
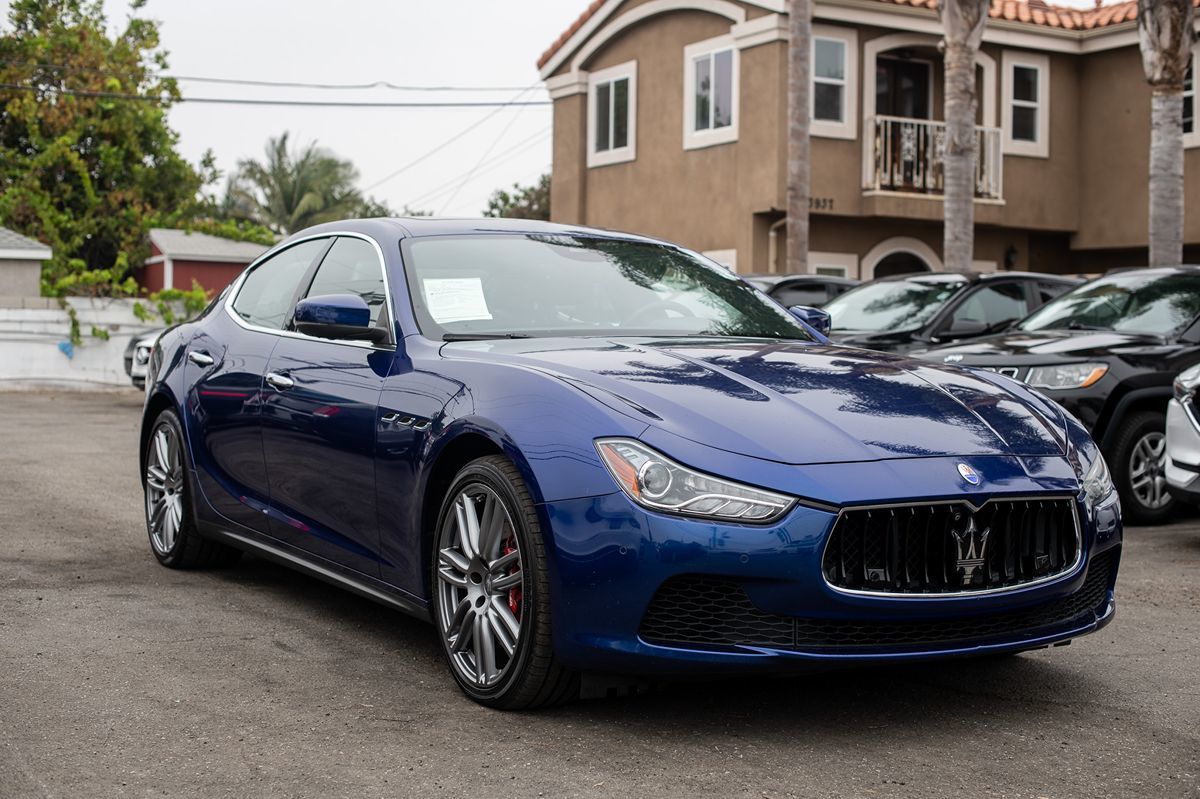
pixel 137 355
pixel 1183 437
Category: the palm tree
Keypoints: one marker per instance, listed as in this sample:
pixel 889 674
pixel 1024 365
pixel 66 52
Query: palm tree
pixel 289 191
pixel 962 23
pixel 1166 35
pixel 799 117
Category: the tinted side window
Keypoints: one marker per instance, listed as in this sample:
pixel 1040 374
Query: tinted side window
pixel 995 303
pixel 352 267
pixel 1048 291
pixel 787 296
pixel 266 295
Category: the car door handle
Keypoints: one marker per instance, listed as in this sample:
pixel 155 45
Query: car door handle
pixel 200 358
pixel 280 381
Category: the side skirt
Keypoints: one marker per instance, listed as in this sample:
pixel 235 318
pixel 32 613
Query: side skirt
pixel 365 587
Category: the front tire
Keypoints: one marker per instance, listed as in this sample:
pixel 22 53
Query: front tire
pixel 170 521
pixel 1139 460
pixel 491 592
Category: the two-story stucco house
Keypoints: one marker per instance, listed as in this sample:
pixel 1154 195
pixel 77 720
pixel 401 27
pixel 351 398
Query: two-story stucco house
pixel 670 120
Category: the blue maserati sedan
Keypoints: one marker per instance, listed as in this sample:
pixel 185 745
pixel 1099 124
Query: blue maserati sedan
pixel 578 451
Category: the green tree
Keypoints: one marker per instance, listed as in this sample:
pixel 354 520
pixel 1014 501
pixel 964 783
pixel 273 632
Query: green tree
pixel 83 171
pixel 524 202
pixel 292 189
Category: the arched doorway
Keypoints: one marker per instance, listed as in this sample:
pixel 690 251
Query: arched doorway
pixel 900 263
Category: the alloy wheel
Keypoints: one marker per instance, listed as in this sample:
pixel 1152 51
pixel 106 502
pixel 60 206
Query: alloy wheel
pixel 1147 470
pixel 480 586
pixel 164 488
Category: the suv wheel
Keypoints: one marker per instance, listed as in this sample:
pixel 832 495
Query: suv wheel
pixel 1139 461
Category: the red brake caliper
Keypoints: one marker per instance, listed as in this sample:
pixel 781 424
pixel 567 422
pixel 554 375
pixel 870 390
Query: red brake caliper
pixel 514 594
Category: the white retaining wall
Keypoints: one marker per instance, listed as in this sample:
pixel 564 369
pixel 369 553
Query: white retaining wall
pixel 31 331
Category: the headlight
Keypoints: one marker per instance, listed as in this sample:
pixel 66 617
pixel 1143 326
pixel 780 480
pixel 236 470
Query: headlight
pixel 1097 483
pixel 1066 375
pixel 654 481
pixel 1186 383
pixel 142 354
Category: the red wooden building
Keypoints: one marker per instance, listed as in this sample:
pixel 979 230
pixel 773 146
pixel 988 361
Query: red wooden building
pixel 179 257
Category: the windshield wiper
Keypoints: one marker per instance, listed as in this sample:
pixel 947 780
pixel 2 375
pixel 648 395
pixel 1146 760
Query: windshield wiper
pixel 1082 326
pixel 481 336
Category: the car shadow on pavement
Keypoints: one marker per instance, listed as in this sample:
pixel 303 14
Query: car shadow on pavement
pixel 896 697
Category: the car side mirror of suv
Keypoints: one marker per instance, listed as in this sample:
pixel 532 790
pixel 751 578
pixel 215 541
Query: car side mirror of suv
pixel 337 316
pixel 966 328
pixel 815 318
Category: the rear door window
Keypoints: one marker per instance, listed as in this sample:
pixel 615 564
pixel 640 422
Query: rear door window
pixel 800 294
pixel 266 295
pixel 991 305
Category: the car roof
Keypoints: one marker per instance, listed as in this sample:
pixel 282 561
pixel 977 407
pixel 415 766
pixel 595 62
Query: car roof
pixel 773 279
pixel 417 226
pixel 977 277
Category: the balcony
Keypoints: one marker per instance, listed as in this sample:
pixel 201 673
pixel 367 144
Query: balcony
pixel 905 155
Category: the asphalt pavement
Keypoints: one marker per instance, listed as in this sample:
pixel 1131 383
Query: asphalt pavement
pixel 121 678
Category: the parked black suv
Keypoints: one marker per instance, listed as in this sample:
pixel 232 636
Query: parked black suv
pixel 913 312
pixel 1108 352
pixel 811 290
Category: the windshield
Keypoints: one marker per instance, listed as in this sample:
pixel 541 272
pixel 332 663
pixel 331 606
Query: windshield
pixel 565 285
pixel 1157 305
pixel 891 305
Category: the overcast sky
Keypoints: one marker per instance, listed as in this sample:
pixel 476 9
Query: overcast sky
pixel 423 43
pixel 460 43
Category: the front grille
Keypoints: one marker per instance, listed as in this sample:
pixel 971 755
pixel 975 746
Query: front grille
pixel 696 610
pixel 949 548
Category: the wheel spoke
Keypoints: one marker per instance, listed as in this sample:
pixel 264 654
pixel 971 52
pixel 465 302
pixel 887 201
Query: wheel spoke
pixel 458 632
pixel 477 638
pixel 464 536
pixel 487 649
pixel 501 633
pixel 506 617
pixel 507 581
pixel 490 520
pixel 455 560
pixel 505 562
pixel 453 578
pixel 156 515
pixel 162 450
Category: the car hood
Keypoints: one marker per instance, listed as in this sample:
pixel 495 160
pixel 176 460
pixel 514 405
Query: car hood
pixel 1052 344
pixel 794 402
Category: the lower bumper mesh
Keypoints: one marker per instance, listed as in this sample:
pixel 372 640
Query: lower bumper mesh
pixel 698 610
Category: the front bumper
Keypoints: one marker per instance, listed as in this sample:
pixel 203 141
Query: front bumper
pixel 1183 452
pixel 610 559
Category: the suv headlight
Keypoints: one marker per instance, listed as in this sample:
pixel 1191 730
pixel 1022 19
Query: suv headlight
pixel 142 354
pixel 654 481
pixel 1066 375
pixel 1096 483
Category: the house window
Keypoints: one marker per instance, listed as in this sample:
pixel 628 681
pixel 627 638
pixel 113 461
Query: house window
pixel 829 80
pixel 710 100
pixel 834 60
pixel 1189 99
pixel 612 114
pixel 1026 104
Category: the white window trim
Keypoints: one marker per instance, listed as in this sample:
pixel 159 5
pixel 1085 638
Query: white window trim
pixel 1031 149
pixel 848 127
pixel 629 151
pixel 845 262
pixel 1193 139
pixel 695 139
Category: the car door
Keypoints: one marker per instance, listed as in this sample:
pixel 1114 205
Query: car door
pixel 321 400
pixel 226 362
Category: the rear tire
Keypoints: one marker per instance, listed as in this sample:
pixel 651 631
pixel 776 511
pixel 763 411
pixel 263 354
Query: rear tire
pixel 491 592
pixel 1139 469
pixel 170 518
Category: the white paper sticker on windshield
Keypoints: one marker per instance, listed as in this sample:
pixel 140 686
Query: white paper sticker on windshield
pixel 457 299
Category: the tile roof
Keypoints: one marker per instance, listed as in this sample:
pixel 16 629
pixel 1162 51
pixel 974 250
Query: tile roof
pixel 1033 12
pixel 11 241
pixel 203 246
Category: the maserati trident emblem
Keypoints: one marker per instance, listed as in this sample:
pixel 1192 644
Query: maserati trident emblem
pixel 970 550
pixel 970 475
pixel 956 358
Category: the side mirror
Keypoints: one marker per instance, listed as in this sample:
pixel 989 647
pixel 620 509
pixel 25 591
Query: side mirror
pixel 337 316
pixel 815 318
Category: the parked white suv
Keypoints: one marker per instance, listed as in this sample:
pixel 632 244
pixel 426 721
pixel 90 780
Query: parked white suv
pixel 1183 437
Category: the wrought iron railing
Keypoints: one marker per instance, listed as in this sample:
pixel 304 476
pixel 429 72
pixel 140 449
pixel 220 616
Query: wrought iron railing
pixel 905 155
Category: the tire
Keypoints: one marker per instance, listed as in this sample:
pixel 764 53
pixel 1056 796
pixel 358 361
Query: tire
pixel 483 583
pixel 170 517
pixel 1142 437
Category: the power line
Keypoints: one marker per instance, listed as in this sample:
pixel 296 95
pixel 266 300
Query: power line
pixel 500 159
pixel 276 83
pixel 485 155
pixel 301 103
pixel 443 145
